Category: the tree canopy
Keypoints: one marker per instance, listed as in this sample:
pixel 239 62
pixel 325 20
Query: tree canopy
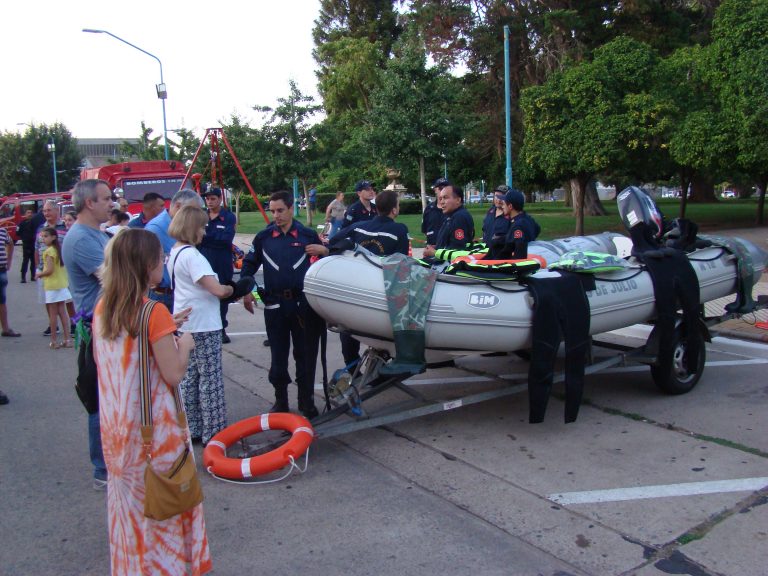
pixel 26 165
pixel 633 91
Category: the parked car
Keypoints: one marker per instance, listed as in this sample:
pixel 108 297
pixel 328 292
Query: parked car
pixel 474 199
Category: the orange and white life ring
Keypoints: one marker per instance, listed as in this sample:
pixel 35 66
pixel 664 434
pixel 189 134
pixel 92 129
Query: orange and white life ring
pixel 217 462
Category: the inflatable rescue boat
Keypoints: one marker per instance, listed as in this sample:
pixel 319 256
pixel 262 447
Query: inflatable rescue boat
pixel 468 315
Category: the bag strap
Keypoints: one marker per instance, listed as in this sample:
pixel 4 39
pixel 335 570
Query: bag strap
pixel 147 428
pixel 173 267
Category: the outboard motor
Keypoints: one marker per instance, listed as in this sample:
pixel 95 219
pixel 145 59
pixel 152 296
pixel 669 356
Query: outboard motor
pixel 643 219
pixel 635 206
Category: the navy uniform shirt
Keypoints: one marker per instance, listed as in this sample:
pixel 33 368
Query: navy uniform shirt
pixel 138 222
pixel 358 213
pixel 283 256
pixel 381 236
pixel 522 230
pixel 494 226
pixel 217 243
pixel 457 231
pixel 431 221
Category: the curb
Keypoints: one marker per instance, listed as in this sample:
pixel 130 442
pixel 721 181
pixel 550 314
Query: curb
pixel 754 337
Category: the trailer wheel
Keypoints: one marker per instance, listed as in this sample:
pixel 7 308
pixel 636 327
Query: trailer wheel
pixel 679 380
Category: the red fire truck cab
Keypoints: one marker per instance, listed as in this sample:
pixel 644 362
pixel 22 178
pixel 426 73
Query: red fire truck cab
pixel 132 180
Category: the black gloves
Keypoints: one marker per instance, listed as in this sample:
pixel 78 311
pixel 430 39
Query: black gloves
pixel 241 288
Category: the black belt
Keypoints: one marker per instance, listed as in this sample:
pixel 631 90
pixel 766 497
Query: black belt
pixel 162 290
pixel 287 294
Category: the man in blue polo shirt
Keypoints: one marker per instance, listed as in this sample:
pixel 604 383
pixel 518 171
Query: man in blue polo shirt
pixel 151 205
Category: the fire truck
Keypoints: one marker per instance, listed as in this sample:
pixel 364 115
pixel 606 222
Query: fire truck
pixel 132 180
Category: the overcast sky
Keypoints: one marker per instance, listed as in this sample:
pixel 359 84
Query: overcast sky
pixel 219 57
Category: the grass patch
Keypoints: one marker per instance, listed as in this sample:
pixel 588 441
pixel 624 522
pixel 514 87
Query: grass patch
pixel 557 221
pixel 689 537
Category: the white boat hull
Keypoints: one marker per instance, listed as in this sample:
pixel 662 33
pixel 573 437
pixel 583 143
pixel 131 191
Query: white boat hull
pixel 467 316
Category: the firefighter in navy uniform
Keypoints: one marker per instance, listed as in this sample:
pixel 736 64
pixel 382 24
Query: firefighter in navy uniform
pixel 217 246
pixel 284 248
pixel 361 211
pixel 458 229
pixel 432 218
pixel 496 223
pixel 522 230
pixel 382 235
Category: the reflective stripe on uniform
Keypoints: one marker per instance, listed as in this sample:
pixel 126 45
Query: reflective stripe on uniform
pixel 268 259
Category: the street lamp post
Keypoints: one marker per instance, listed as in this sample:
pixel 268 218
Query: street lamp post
pixel 52 150
pixel 162 93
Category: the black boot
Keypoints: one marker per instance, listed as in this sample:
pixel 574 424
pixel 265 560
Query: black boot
pixel 309 412
pixel 307 402
pixel 281 399
pixel 409 354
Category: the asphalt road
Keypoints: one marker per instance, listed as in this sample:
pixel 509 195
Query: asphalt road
pixel 641 484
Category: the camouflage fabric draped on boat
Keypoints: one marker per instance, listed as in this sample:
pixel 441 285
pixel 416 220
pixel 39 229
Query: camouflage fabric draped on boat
pixel 408 287
pixel 745 280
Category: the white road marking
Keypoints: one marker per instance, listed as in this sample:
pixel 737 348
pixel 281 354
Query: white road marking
pixel 643 330
pixel 712 364
pixel 246 333
pixel 454 380
pixel 660 491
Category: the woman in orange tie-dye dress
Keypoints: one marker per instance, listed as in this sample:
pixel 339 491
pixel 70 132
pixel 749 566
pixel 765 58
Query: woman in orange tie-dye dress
pixel 139 545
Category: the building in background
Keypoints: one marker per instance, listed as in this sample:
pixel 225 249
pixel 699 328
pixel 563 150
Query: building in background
pixel 99 152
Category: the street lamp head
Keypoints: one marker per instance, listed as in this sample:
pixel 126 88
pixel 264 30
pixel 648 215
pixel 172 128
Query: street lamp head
pixel 162 92
pixel 51 145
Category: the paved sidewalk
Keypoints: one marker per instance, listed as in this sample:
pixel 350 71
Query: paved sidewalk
pixel 470 490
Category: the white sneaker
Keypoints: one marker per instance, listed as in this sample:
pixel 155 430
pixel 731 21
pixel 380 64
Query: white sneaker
pixel 99 484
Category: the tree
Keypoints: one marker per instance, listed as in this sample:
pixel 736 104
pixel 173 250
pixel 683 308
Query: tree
pixel 290 125
pixel 584 120
pixel 352 70
pixel 697 139
pixel 26 165
pixel 413 115
pixel 184 146
pixel 374 20
pixel 739 72
pixel 261 158
pixel 145 148
pixel 12 165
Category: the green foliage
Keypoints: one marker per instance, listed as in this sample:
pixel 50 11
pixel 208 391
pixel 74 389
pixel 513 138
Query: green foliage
pixel 353 70
pixel 290 126
pixel 146 148
pixel 589 117
pixel 260 157
pixel 410 207
pixel 413 111
pixel 739 71
pixel 26 165
pixel 375 20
